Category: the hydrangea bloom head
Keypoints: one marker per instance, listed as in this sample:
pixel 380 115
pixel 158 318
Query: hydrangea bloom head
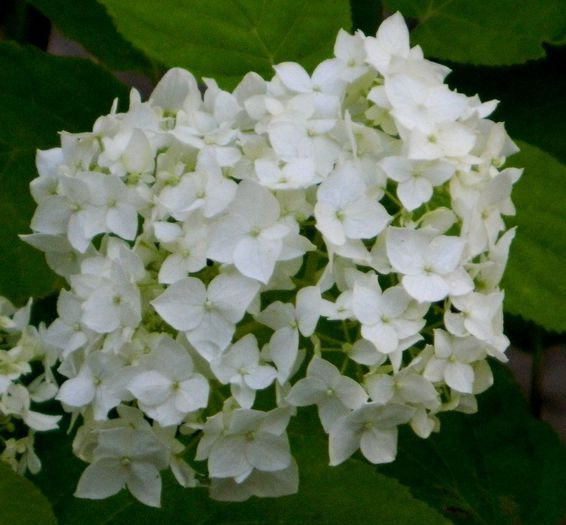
pixel 334 237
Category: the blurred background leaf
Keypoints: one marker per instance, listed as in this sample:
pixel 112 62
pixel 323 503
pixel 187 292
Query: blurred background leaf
pixel 88 23
pixel 225 40
pixel 21 502
pixel 485 32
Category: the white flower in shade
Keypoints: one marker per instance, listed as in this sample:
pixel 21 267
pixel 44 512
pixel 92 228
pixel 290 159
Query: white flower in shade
pixel 99 383
pixel 207 316
pixel 453 361
pixel 70 212
pixel 67 332
pixel 480 315
pixel 125 457
pixel 344 210
pixel 334 394
pixel 261 484
pixel 406 387
pixel 109 302
pixel 166 386
pixel 240 366
pixel 16 401
pixel 253 440
pixel 287 321
pixel 430 263
pixel 371 428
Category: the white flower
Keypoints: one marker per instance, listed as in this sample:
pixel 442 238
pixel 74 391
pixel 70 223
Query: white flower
pixel 239 366
pixel 250 236
pixel 16 401
pixel 207 316
pixel 453 361
pixel 334 394
pixel 372 429
pixel 391 40
pixel 99 382
pixel 416 179
pixel 430 263
pixel 382 316
pixel 344 210
pixel 166 386
pixel 125 457
pixel 253 440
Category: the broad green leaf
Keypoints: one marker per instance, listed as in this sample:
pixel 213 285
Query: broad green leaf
pixel 87 22
pixel 39 96
pixel 351 493
pixel 484 31
pixel 21 503
pixel 534 282
pixel 225 39
pixel 497 467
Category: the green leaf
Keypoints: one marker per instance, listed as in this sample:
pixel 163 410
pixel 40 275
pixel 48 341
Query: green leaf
pixel 226 39
pixel 87 22
pixel 351 493
pixel 21 503
pixel 497 467
pixel 484 31
pixel 534 282
pixel 39 96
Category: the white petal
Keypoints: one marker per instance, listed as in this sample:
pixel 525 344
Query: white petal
pixel 77 392
pixel 379 446
pixel 444 253
pixel 308 305
pixel 228 458
pixel 101 479
pixel 426 288
pixel 268 452
pixel 459 376
pixel 144 482
pixel 307 391
pixel 343 441
pixel 181 305
pixel 406 249
pixel 151 388
pixel 294 77
pixel 255 257
pixel 123 221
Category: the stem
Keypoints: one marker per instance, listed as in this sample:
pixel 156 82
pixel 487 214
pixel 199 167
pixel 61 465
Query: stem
pixel 537 374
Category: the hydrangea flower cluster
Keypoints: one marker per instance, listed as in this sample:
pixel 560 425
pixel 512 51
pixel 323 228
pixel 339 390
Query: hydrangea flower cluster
pixel 333 239
pixel 23 354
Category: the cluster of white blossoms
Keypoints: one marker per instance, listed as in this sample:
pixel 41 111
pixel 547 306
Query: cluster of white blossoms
pixel 23 355
pixel 333 239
